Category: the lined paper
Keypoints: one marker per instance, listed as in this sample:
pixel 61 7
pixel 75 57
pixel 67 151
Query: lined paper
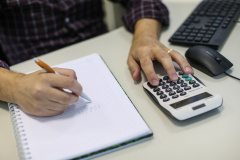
pixel 85 127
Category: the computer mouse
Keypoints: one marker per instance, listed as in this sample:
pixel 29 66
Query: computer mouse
pixel 207 60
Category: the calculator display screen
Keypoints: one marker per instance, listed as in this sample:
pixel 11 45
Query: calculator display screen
pixel 190 100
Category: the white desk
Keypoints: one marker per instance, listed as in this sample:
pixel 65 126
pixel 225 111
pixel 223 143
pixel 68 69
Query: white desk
pixel 212 136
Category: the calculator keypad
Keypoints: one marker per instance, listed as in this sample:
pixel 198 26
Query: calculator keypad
pixel 167 90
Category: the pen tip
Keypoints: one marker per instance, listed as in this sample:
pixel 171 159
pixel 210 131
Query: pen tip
pixel 35 59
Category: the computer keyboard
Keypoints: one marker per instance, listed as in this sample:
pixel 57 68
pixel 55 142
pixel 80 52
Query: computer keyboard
pixel 208 24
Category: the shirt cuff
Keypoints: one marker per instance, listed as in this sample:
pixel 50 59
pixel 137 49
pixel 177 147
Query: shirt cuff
pixel 145 9
pixel 4 65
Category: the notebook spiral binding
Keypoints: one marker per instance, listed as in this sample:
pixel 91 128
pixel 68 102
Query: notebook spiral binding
pixel 19 132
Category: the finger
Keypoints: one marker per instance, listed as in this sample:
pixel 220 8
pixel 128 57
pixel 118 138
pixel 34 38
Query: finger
pixel 59 81
pixel 54 106
pixel 48 113
pixel 183 63
pixel 60 97
pixel 66 72
pixel 148 69
pixel 164 58
pixel 134 68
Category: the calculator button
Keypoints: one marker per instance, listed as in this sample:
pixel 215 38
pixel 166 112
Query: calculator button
pixel 156 89
pixel 183 84
pixel 166 99
pixel 185 76
pixel 179 90
pixel 183 93
pixel 168 90
pixel 163 96
pixel 192 82
pixel 180 73
pixel 165 78
pixel 162 83
pixel 176 87
pixel 195 85
pixel 188 79
pixel 160 92
pixel 180 81
pixel 187 88
pixel 151 86
pixel 169 81
pixel 172 83
pixel 165 86
pixel 175 96
pixel 172 93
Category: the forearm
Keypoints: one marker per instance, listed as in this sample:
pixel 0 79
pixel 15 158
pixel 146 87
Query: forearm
pixel 8 80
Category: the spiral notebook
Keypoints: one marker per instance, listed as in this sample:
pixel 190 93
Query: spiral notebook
pixel 86 129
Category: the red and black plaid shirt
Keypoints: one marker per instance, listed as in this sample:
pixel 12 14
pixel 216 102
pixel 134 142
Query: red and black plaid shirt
pixel 29 28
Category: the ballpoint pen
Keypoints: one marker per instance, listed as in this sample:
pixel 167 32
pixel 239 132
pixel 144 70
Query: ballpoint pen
pixel 47 68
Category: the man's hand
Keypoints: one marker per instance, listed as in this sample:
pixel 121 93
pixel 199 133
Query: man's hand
pixel 146 48
pixel 42 94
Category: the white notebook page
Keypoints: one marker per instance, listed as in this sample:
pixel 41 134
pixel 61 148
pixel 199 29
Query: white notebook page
pixel 84 127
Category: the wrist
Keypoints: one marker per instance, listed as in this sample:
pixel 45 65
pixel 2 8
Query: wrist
pixel 147 27
pixel 8 85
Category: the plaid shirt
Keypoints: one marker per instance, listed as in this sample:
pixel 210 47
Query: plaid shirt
pixel 29 28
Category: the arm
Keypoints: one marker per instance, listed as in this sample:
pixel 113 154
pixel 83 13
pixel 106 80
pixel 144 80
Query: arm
pixel 38 93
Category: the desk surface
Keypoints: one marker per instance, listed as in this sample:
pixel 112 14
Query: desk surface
pixel 214 135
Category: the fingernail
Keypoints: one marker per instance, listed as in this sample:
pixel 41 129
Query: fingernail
pixel 155 82
pixel 134 74
pixel 174 76
pixel 188 69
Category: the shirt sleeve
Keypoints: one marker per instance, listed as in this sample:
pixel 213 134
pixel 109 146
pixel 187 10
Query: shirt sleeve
pixel 138 9
pixel 4 65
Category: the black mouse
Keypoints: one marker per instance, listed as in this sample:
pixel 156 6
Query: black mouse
pixel 207 60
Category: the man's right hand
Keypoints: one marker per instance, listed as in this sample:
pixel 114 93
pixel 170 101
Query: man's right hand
pixel 42 94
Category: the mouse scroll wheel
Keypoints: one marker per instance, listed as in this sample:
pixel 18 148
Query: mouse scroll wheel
pixel 219 60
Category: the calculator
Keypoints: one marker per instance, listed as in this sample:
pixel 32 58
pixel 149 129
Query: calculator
pixel 185 98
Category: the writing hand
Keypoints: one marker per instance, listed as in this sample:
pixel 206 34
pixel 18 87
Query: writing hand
pixel 38 93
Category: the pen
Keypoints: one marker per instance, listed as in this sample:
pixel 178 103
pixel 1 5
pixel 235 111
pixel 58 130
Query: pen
pixel 47 68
